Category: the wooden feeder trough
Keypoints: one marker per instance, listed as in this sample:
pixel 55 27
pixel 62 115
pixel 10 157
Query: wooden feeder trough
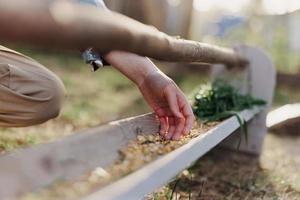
pixel 29 169
pixel 32 168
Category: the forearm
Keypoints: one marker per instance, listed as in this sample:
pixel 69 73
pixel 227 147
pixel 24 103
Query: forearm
pixel 63 25
pixel 133 66
pixel 66 26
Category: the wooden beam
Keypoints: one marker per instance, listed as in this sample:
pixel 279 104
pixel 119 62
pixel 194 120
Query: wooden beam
pixel 288 80
pixel 258 80
pixel 159 172
pixel 68 158
pixel 32 168
pixel 285 115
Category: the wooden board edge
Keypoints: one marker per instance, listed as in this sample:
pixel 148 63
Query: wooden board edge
pixel 28 169
pixel 159 172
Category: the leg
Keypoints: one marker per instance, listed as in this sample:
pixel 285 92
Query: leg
pixel 29 93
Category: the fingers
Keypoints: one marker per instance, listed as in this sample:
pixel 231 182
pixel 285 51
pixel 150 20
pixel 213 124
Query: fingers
pixel 179 120
pixel 172 128
pixel 189 122
pixel 183 115
pixel 184 126
pixel 163 126
pixel 172 101
pixel 189 115
pixel 176 117
pixel 180 124
pixel 163 119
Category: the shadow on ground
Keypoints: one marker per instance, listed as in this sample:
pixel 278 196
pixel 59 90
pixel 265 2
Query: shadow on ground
pixel 225 174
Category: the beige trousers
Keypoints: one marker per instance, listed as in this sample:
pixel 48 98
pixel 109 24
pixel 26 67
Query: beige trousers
pixel 29 93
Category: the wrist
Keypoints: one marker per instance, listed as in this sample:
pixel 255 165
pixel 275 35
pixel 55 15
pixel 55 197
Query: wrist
pixel 133 66
pixel 143 72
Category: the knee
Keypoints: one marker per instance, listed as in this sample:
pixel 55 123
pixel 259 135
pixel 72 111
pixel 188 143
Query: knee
pixel 52 105
pixel 30 93
pixel 32 109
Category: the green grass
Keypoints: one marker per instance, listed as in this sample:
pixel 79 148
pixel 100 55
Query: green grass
pixel 11 142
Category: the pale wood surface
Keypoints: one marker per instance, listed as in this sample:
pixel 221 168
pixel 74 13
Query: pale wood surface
pixel 286 114
pixel 258 79
pixel 157 173
pixel 32 168
pixel 68 158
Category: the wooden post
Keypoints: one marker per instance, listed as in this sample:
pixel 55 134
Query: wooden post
pixel 258 79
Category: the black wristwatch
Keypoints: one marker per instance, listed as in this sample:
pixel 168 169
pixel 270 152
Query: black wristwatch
pixel 94 59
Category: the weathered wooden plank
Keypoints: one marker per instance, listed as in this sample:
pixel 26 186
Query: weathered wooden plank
pixel 258 80
pixel 159 172
pixel 286 114
pixel 288 80
pixel 32 168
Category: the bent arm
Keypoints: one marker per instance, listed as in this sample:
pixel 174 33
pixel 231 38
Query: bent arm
pixel 64 25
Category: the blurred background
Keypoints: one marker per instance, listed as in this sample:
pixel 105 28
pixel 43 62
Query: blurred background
pixel 270 24
pixel 95 98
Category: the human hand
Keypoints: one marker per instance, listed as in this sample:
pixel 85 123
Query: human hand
pixel 169 104
pixel 162 94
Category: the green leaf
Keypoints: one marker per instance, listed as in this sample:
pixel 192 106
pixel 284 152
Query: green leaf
pixel 219 100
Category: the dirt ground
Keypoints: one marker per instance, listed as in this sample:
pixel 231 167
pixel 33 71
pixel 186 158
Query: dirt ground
pixel 221 174
pixel 225 174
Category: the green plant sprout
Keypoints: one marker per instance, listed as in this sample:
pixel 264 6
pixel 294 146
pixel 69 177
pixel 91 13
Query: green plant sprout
pixel 218 100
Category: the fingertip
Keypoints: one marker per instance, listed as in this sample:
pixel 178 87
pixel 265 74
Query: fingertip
pixel 190 122
pixel 168 136
pixel 162 133
pixel 176 136
pixel 188 126
pixel 171 129
pixel 186 131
